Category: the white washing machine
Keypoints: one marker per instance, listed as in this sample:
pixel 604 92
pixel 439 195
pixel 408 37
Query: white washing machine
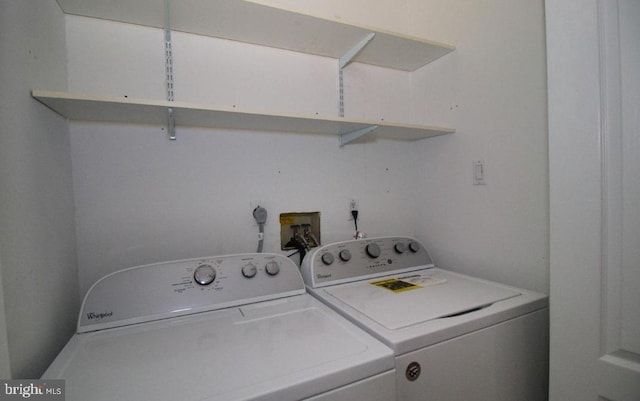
pixel 455 337
pixel 234 327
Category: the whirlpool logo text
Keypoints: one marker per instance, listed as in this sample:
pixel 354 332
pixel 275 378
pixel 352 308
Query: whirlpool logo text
pixel 99 315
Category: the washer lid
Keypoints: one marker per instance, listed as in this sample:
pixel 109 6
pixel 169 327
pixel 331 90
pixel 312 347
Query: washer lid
pixel 287 349
pixel 397 302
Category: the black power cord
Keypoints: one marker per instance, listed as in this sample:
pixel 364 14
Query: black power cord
pixel 354 213
pixel 301 248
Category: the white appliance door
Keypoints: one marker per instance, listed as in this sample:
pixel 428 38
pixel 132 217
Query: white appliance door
pixel 381 387
pixel 499 363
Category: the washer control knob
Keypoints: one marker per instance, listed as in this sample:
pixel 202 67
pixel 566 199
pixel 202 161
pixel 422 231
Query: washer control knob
pixel 204 274
pixel 399 247
pixel 272 268
pixel 345 255
pixel 414 246
pixel 327 258
pixel 373 250
pixel 249 270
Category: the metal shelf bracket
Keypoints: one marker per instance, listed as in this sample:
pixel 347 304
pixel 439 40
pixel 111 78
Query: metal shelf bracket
pixel 168 63
pixel 353 135
pixel 171 124
pixel 344 61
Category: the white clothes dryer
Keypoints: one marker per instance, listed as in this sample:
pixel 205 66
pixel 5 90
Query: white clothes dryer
pixel 454 337
pixel 233 327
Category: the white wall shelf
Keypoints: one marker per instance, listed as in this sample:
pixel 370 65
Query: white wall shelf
pixel 138 111
pixel 253 22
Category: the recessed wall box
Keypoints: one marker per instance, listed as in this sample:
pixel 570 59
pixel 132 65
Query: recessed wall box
pixel 299 230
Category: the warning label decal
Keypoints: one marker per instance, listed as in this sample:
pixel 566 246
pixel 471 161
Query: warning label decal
pixel 396 285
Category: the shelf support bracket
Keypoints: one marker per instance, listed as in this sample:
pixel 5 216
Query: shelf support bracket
pixel 171 124
pixel 353 135
pixel 168 63
pixel 344 61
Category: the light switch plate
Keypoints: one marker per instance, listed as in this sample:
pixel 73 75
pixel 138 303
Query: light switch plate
pixel 479 172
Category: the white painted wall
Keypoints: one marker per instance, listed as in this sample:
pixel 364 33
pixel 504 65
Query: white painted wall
pixel 37 240
pixel 492 89
pixel 141 198
pixel 383 14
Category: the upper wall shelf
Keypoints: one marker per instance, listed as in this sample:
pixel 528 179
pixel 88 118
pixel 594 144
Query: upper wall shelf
pixel 253 22
pixel 127 110
pixel 250 21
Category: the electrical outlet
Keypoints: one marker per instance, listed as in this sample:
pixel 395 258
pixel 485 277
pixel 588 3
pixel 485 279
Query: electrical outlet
pixel 353 204
pixel 253 205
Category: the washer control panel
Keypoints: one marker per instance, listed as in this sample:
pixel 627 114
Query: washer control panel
pixel 359 259
pixel 162 290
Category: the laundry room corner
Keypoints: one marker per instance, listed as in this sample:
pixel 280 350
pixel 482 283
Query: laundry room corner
pixel 37 240
pixel 147 161
pixel 493 90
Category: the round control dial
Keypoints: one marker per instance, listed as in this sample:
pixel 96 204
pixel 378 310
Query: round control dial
pixel 399 247
pixel 414 246
pixel 345 255
pixel 272 268
pixel 204 274
pixel 373 250
pixel 327 258
pixel 249 270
